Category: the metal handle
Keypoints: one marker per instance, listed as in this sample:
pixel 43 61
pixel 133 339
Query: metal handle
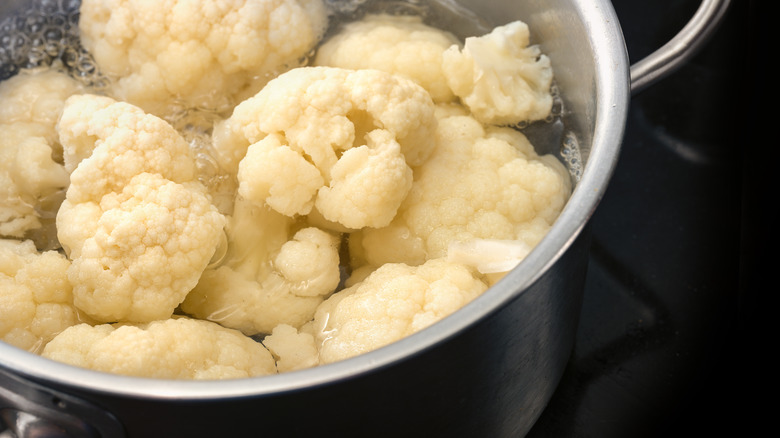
pixel 681 48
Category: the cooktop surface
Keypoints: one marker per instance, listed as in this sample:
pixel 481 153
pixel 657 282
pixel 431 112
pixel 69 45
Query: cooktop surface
pixel 659 349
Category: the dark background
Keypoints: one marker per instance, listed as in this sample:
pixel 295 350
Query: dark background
pixel 667 335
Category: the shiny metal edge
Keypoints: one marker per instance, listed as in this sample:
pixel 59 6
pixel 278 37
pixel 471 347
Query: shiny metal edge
pixel 682 47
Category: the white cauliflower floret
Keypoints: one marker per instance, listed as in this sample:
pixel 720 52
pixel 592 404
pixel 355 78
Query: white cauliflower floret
pixel 138 228
pixel 197 53
pixel 292 350
pixel 37 96
pixel 396 44
pixel 352 137
pixel 146 249
pixel 32 180
pixel 106 143
pixel 35 297
pixel 481 183
pixel 270 275
pixel 266 170
pixel 501 78
pixel 178 348
pixel 391 303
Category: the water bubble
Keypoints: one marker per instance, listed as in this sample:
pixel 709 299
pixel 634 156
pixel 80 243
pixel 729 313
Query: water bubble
pixel 52 49
pixel 58 20
pixel 52 33
pixel 570 154
pixel 34 23
pixel 47 6
pixel 70 6
pixel 46 33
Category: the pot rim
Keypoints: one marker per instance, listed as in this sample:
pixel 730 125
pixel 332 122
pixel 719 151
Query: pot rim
pixel 612 97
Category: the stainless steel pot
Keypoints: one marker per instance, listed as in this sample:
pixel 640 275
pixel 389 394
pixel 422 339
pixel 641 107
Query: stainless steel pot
pixel 486 371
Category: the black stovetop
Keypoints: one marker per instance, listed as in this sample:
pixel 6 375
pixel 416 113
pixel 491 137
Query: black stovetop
pixel 659 349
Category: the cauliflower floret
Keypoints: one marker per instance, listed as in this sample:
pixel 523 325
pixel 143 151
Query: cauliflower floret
pixel 360 130
pixel 207 54
pixel 178 348
pixel 31 183
pixel 266 171
pixel 270 275
pixel 35 297
pixel 292 350
pixel 366 187
pixel 501 78
pixel 146 249
pixel 32 180
pixel 106 143
pixel 391 303
pixel 38 96
pixel 396 44
pixel 481 183
pixel 138 228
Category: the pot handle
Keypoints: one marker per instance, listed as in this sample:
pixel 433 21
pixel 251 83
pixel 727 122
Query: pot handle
pixel 681 48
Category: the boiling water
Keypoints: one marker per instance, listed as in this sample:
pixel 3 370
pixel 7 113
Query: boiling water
pixel 43 35
pixel 46 35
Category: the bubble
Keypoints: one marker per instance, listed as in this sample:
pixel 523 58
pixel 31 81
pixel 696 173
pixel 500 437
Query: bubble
pixel 34 23
pixel 570 154
pixel 44 34
pixel 47 6
pixel 51 33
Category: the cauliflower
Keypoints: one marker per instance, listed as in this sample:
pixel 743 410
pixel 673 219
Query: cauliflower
pixel 35 296
pixel 270 275
pixel 391 303
pixel 501 78
pixel 481 183
pixel 32 180
pixel 106 143
pixel 498 76
pixel 37 96
pixel 205 195
pixel 178 348
pixel 197 53
pixel 292 350
pixel 393 43
pixel 138 228
pixel 344 140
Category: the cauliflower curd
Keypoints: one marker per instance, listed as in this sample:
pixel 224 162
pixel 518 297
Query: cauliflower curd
pixel 139 229
pixel 391 303
pixel 36 302
pixel 171 54
pixel 353 181
pixel 178 348
pixel 31 177
pixel 402 45
pixel 481 183
pixel 346 139
pixel 274 272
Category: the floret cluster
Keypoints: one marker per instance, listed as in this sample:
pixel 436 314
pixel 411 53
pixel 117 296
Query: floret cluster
pixel 330 188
